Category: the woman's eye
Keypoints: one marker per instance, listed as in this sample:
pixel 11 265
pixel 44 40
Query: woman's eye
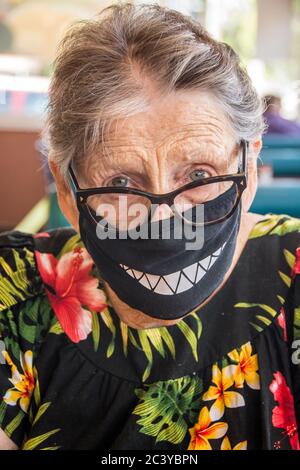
pixel 120 181
pixel 199 174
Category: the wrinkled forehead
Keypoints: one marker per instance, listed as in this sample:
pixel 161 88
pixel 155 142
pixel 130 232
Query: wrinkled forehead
pixel 172 132
pixel 181 119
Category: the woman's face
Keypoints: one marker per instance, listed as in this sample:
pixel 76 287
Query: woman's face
pixel 159 151
pixel 181 138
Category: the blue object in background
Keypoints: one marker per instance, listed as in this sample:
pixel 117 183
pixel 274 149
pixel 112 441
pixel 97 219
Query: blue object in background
pixel 280 197
pixel 56 218
pixel 282 154
pixel 277 141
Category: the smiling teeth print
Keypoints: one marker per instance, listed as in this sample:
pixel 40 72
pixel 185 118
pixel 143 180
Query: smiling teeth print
pixel 177 282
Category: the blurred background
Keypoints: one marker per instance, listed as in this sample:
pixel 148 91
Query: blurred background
pixel 266 34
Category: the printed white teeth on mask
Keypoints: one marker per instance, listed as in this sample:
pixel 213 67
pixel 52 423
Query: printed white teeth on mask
pixel 177 282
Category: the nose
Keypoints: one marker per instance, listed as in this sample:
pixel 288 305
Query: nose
pixel 163 211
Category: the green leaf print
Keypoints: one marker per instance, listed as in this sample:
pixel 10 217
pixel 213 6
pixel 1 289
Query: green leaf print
pixel 275 225
pixel 10 340
pixel 3 407
pixel 41 411
pixel 290 258
pixel 190 337
pixel 56 329
pixel 148 339
pixel 143 336
pixel 34 442
pixel 27 331
pixel 34 318
pixel 95 330
pixel 288 226
pixel 124 334
pixel 165 335
pixel 14 284
pixel 167 409
pixel 286 279
pixel 14 424
pixel 265 319
pixel 157 338
pixel 108 320
pixel 105 317
pixel 69 246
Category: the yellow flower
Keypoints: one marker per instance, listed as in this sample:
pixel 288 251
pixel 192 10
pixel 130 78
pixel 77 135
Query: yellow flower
pixel 23 383
pixel 219 392
pixel 227 446
pixel 203 431
pixel 247 367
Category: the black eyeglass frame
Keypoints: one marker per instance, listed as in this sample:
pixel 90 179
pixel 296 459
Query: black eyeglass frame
pixel 239 178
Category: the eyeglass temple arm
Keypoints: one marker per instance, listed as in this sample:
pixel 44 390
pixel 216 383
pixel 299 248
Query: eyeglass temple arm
pixel 243 159
pixel 73 180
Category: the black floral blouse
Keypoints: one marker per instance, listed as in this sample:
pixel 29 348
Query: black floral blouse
pixel 74 376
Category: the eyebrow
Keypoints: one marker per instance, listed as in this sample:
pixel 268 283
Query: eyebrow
pixel 210 157
pixel 131 165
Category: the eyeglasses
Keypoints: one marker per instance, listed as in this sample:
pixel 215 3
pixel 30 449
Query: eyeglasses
pixel 126 208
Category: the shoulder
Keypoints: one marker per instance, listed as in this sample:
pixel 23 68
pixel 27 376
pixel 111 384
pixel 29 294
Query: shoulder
pixel 50 280
pixel 270 255
pixel 26 317
pixel 20 278
pixel 276 224
pixel 26 313
pixel 276 249
pixel 278 231
pixel 274 245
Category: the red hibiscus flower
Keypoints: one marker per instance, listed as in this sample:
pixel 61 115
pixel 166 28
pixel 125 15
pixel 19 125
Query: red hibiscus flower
pixel 70 287
pixel 282 322
pixel 284 414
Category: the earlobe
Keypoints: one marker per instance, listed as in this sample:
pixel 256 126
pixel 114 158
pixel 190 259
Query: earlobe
pixel 67 204
pixel 60 182
pixel 257 146
pixel 250 192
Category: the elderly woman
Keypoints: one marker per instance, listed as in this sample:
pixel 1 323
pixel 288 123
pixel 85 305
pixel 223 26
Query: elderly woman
pixel 185 336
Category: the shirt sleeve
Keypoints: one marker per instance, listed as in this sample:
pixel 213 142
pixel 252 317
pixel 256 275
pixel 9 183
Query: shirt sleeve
pixel 20 326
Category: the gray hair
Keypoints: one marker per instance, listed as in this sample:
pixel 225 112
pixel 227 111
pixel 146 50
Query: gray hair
pixel 108 67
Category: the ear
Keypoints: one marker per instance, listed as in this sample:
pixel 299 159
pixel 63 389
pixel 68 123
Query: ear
pixel 65 195
pixel 250 192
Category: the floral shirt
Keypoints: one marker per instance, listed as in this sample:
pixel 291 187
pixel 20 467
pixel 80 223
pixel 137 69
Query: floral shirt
pixel 74 376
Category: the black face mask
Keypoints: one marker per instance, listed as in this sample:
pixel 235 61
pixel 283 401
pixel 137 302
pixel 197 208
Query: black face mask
pixel 161 277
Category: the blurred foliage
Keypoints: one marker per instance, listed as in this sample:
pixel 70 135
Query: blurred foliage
pixel 240 29
pixel 6 37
